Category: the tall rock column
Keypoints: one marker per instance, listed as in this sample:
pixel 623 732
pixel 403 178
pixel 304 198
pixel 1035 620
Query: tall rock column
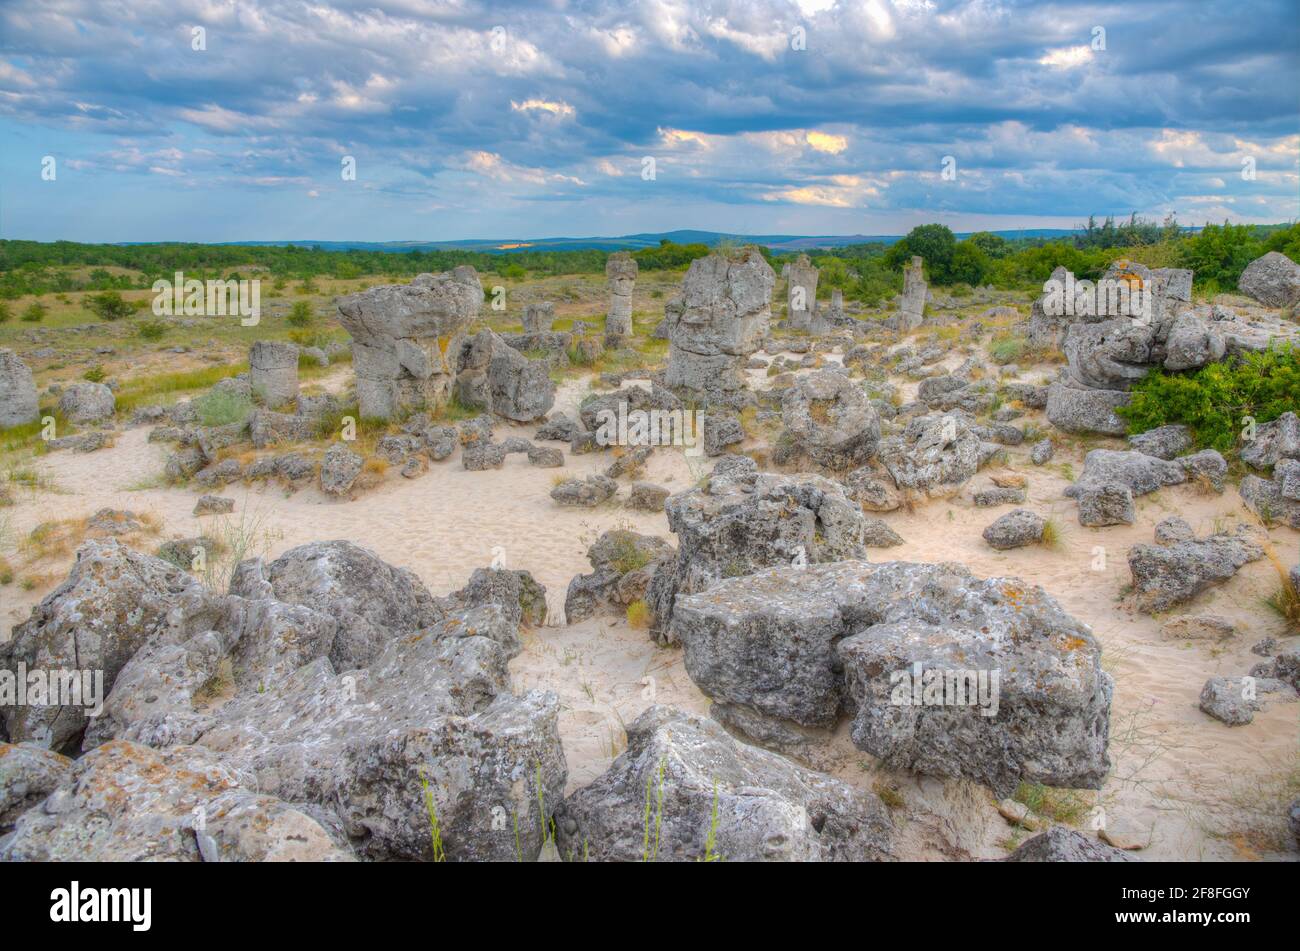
pixel 911 309
pixel 717 321
pixel 620 272
pixel 273 372
pixel 801 293
pixel 17 392
pixel 401 335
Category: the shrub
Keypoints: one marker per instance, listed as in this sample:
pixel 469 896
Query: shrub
pixel 34 313
pixel 300 314
pixel 109 306
pixel 95 374
pixel 6 313
pixel 1214 401
pixel 152 330
pixel 220 407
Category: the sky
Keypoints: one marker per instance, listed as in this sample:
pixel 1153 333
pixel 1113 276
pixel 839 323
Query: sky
pixel 387 120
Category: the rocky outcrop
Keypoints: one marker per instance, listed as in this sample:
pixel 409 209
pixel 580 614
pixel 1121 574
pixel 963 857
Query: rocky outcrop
pixel 401 334
pixel 934 455
pixel 911 305
pixel 1273 441
pixel 717 321
pixel 620 274
pixel 538 317
pixel 622 563
pixel 273 372
pixel 18 403
pixel 497 377
pixel 743 520
pixel 949 675
pixel 83 403
pixel 711 798
pixel 801 292
pixel 1272 279
pixel 830 419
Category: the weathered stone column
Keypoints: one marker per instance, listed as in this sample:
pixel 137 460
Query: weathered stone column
pixel 539 317
pixel 620 271
pixel 18 403
pixel 801 293
pixel 273 372
pixel 911 309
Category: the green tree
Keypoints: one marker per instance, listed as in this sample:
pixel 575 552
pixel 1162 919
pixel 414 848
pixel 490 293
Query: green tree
pixel 300 314
pixel 935 243
pixel 109 306
pixel 970 265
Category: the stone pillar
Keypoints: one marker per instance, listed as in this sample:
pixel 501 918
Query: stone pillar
pixel 17 392
pixel 620 272
pixel 801 293
pixel 402 335
pixel 273 372
pixel 911 310
pixel 717 321
pixel 538 317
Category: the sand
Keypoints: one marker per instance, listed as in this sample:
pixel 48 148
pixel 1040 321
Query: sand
pixel 1183 781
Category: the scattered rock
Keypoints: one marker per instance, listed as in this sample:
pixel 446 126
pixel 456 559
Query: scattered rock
pixel 213 505
pixel 339 469
pixel 1167 575
pixel 1015 530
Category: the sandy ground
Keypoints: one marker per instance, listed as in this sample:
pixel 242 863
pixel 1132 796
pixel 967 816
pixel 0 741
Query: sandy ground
pixel 1183 781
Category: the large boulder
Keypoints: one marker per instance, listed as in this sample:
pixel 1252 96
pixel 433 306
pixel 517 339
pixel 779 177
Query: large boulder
pixel 1060 844
pixel 1273 441
pixel 88 627
pixel 1276 499
pixel 831 420
pixel 950 675
pixel 685 791
pixel 497 377
pixel 18 403
pixel 1074 408
pixel 273 372
pixel 1137 471
pixel 401 334
pixel 743 520
pixel 934 455
pixel 128 803
pixel 622 563
pixel 87 403
pixel 1272 279
pixel 27 775
pixel 717 321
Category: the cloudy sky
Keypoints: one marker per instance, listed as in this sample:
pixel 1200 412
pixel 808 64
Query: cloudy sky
pixel 218 120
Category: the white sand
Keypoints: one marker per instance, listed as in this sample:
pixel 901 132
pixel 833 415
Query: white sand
pixel 1179 776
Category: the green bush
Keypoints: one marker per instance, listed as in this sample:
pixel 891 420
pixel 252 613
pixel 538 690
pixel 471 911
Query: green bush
pixel 6 313
pixel 34 313
pixel 300 314
pixel 95 374
pixel 152 330
pixel 1214 400
pixel 220 407
pixel 109 306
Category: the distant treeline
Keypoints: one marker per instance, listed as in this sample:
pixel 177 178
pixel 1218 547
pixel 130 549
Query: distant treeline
pixel 866 272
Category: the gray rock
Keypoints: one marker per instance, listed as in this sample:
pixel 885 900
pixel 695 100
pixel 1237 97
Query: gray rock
pixel 440 442
pixel 1192 342
pixel 1272 279
pixel 998 495
pixel 622 563
pixel 620 275
pixel 873 490
pixel 805 644
pixel 213 505
pixel 1060 844
pixel 273 372
pixel 483 456
pixel 1206 468
pixel 27 775
pixel 876 533
pixel 830 419
pixel 1137 471
pixel 558 428
pixel 1275 440
pixel 538 317
pixel 647 497
pixel 1236 700
pixel 84 403
pixel 1015 530
pixel 1167 575
pixel 1266 499
pixel 934 455
pixel 18 403
pixel 1164 442
pixel 1042 452
pixel 585 493
pixel 545 457
pixel 720 431
pixel 1108 503
pixel 1078 409
pixel 495 376
pixel 339 469
pixel 714 798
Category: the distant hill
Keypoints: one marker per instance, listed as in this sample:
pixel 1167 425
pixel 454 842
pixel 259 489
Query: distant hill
pixel 634 242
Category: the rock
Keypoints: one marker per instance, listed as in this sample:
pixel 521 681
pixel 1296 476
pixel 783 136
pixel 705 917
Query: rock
pixel 1042 452
pixel 1137 471
pixel 1274 441
pixel 83 442
pixel 18 403
pixel 483 456
pixel 620 275
pixel 628 462
pixel 744 520
pixel 114 522
pixel 1031 396
pixel 545 457
pixel 1059 844
pixel 1272 279
pixel 911 305
pixel 1236 700
pixel 801 292
pixel 585 493
pixel 1192 342
pixel 83 403
pixel 1197 628
pixel 213 505
pixel 1078 409
pixel 1164 442
pixel 27 775
pixel 339 468
pixel 414 467
pixel 268 428
pixel 1017 813
pixel 1172 530
pixel 127 803
pixel 806 644
pixel 516 592
pixel 720 431
pixel 935 455
pixel 372 601
pixel 876 533
pixel 401 334
pixel 273 372
pixel 714 798
pixel 1166 575
pixel 717 321
pixel 1015 530
pixel 1206 468
pixel 871 490
pixel 647 497
pixel 538 317
pixel 622 564
pixel 559 428
pixel 496 377
pixel 997 495
pixel 1109 503
pixel 830 419
pixel 1269 499
pixel 113 599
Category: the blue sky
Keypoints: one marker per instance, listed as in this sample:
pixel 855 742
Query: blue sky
pixel 533 119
